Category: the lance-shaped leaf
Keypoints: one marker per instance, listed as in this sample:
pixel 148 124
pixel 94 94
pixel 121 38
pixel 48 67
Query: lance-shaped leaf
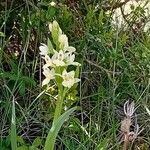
pixel 51 138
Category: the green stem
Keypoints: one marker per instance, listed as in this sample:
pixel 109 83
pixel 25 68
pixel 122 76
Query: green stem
pixel 59 104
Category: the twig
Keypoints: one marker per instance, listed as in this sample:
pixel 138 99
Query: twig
pixel 116 5
pixel 100 67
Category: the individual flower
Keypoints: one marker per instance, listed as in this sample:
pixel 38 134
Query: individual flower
pixel 63 40
pixel 52 3
pixel 68 79
pixel 69 59
pixel 48 61
pixel 43 49
pixel 58 58
pixel 49 74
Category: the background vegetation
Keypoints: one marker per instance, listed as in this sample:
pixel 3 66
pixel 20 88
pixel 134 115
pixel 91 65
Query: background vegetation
pixel 115 68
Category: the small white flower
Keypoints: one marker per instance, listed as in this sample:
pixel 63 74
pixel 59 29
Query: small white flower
pixel 49 74
pixel 58 58
pixel 52 3
pixel 68 79
pixel 43 49
pixel 63 39
pixel 69 58
pixel 48 61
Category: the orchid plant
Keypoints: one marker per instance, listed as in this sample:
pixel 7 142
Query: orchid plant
pixel 58 58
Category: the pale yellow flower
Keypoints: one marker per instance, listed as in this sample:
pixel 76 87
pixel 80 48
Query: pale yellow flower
pixel 58 58
pixel 49 74
pixel 48 61
pixel 69 59
pixel 68 79
pixel 63 39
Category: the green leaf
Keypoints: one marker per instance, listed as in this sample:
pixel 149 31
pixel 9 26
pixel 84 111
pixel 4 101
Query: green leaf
pixel 32 148
pixel 77 71
pixel 20 140
pixel 24 147
pixel 2 34
pixel 51 12
pixel 103 145
pixel 9 75
pixel 50 46
pixel 13 135
pixel 12 76
pixel 22 88
pixel 51 138
pixel 37 142
pixel 101 17
pixel 28 80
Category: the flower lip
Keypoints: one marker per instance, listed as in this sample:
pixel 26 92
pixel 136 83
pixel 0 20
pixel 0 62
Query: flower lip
pixel 58 58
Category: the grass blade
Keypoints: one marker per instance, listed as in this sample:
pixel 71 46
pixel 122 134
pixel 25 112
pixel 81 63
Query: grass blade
pixel 13 128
